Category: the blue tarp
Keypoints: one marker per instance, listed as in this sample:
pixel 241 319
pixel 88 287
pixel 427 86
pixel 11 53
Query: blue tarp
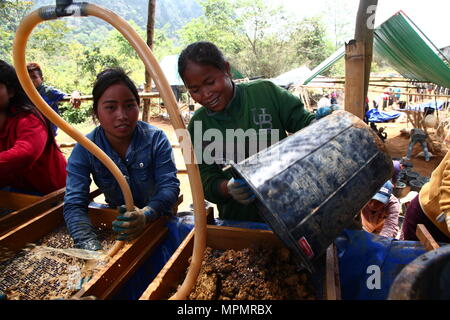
pixel 431 105
pixel 375 115
pixel 357 251
pixel 360 254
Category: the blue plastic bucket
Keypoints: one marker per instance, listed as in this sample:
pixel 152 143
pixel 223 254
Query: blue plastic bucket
pixel 312 184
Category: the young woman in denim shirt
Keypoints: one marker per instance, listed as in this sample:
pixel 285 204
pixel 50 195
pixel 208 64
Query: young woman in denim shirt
pixel 141 151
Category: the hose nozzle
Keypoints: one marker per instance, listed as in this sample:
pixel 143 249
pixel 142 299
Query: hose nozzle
pixel 63 8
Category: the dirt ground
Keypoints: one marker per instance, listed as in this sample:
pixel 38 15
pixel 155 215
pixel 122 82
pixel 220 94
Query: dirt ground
pixel 396 144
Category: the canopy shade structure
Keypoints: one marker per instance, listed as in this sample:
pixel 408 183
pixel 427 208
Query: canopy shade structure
pixel 405 48
pixel 294 76
pixel 326 64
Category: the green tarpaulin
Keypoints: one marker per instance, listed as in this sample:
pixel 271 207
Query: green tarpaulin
pixel 397 41
pixel 405 48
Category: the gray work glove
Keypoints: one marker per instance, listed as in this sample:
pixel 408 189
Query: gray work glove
pixel 130 224
pixel 240 191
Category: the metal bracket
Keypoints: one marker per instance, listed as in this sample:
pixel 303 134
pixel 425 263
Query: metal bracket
pixel 63 8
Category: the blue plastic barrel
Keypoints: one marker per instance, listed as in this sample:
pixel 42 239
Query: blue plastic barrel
pixel 311 185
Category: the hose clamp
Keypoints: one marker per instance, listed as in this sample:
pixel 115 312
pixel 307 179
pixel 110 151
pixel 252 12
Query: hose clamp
pixel 63 9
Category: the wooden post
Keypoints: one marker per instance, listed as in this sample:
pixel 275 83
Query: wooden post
pixel 332 280
pixel 426 238
pixel 150 36
pixel 354 74
pixel 358 59
pixel 365 23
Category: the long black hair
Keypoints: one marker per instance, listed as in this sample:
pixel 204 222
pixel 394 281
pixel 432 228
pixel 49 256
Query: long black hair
pixel 20 102
pixel 107 78
pixel 201 52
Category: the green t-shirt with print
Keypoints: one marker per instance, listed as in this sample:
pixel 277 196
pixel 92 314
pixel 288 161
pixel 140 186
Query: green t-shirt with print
pixel 260 114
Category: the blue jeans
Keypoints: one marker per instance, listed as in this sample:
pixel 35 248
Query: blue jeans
pixel 423 143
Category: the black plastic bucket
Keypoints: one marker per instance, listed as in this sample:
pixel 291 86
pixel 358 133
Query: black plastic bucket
pixel 311 185
pixel 411 175
pixel 416 185
pixel 423 179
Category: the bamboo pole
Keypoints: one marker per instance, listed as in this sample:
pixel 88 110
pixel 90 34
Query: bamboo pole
pixel 354 73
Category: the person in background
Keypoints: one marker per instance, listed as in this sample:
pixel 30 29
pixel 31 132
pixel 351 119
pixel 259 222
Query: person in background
pixel 333 99
pixel 324 102
pixel 431 207
pixel 397 95
pixel 51 95
pixel 258 106
pixel 380 214
pixel 142 153
pixel 30 160
pixel 398 166
pixel 385 98
pixel 418 136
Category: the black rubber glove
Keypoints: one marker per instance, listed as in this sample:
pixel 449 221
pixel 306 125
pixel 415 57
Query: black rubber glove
pixel 91 244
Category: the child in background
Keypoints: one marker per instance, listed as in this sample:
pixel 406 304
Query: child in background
pixel 30 161
pixel 380 214
pixel 51 95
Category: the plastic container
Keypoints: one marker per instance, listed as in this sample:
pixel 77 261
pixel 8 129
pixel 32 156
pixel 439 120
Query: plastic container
pixel 426 278
pixel 310 186
pixel 423 179
pixel 416 185
pixel 411 175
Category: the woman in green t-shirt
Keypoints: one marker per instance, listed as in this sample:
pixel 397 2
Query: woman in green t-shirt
pixel 235 121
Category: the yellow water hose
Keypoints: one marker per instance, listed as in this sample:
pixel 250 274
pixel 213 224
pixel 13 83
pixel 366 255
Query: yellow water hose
pixel 144 52
pixel 20 40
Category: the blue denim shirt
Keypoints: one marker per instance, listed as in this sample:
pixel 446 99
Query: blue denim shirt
pixel 149 169
pixel 52 96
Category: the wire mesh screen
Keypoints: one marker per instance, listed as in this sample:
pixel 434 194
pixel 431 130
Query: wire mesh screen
pixel 36 274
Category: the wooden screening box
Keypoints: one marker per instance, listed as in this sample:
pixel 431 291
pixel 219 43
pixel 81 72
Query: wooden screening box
pixel 223 238
pixel 26 207
pixel 106 282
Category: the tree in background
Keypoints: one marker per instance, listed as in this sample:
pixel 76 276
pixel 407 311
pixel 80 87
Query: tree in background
pixel 264 31
pixel 258 39
pixel 220 24
pixel 150 42
pixel 339 17
pixel 309 42
pixel 11 13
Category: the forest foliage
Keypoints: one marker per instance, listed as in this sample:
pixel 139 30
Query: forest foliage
pixel 259 39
